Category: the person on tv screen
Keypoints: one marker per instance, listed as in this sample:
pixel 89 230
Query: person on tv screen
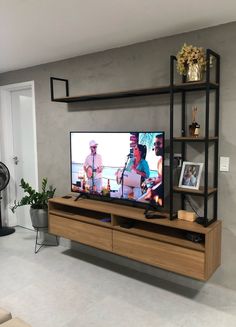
pixel 93 168
pixel 158 148
pixel 155 191
pixel 136 166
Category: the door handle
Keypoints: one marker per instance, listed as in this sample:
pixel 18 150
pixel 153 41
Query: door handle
pixel 16 160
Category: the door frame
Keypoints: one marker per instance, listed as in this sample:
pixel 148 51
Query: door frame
pixel 6 147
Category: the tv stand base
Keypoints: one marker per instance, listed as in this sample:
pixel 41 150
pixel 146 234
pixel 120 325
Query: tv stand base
pixel 80 196
pixel 160 242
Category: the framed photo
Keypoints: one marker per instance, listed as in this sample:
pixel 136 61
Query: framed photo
pixel 190 175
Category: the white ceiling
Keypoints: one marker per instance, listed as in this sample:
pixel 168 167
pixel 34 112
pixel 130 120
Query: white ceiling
pixel 33 32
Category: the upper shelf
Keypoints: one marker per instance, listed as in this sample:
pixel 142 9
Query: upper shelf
pixel 195 139
pixel 196 86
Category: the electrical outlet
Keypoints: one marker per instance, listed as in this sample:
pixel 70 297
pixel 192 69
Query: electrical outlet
pixel 224 163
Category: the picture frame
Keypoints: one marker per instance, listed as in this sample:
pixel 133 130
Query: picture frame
pixel 190 175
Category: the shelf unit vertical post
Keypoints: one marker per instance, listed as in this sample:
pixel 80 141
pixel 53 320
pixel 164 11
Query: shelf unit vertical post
pixel 172 60
pixel 183 133
pixel 217 119
pixel 206 143
pixel 210 53
pixel 216 129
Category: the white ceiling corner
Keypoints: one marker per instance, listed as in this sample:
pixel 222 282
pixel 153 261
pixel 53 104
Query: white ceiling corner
pixel 33 32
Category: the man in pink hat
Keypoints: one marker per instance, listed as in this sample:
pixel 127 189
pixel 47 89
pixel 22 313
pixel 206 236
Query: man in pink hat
pixel 93 168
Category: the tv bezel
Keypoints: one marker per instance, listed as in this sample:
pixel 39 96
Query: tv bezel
pixel 127 202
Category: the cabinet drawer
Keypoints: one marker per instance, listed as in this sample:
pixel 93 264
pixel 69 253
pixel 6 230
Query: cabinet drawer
pixel 167 256
pixel 99 237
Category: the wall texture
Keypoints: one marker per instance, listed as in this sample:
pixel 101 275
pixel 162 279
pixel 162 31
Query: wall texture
pixel 137 66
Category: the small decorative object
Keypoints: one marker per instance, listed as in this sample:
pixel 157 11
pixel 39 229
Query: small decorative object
pixel 194 128
pixel 191 62
pixel 187 215
pixel 190 175
pixel 194 73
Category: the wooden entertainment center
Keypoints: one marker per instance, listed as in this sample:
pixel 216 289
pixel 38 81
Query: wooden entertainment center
pixel 157 242
pixel 167 242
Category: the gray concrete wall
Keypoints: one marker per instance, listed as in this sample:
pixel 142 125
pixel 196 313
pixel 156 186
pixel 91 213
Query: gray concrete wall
pixel 137 66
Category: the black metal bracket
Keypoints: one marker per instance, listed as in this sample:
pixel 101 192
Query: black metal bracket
pixel 38 245
pixel 52 79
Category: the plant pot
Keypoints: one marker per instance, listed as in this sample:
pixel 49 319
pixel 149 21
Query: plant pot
pixel 194 73
pixel 39 218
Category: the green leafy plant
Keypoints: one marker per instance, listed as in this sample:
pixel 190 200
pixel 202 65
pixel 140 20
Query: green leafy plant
pixel 37 200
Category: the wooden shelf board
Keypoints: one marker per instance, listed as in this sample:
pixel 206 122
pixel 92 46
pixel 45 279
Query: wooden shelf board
pixel 160 235
pixel 75 216
pixel 195 139
pixel 130 212
pixel 196 86
pixel 116 95
pixel 196 192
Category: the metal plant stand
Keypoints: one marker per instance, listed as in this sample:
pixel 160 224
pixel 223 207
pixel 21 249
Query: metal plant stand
pixel 38 245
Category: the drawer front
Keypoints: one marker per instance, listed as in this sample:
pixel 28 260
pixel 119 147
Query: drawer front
pixel 167 256
pixel 99 237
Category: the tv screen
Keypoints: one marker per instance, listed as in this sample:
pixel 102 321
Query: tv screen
pixel 122 167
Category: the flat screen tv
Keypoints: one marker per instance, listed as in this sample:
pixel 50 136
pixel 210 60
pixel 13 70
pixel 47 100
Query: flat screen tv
pixel 123 167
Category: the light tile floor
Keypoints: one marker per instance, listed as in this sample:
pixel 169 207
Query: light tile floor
pixel 60 287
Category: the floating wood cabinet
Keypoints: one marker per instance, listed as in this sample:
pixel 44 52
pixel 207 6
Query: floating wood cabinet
pixel 161 242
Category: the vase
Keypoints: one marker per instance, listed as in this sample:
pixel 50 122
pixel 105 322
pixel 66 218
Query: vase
pixel 39 218
pixel 194 73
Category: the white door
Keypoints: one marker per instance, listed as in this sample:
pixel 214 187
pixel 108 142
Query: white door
pixel 19 143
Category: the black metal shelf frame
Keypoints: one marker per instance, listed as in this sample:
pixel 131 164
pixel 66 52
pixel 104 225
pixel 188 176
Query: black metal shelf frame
pixel 52 79
pixel 206 140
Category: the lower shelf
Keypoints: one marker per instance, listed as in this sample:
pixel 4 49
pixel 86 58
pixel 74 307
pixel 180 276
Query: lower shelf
pixel 160 233
pixel 195 192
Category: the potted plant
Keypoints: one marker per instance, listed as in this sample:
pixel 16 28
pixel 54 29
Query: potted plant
pixel 38 202
pixel 191 62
